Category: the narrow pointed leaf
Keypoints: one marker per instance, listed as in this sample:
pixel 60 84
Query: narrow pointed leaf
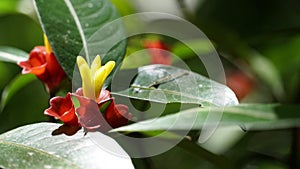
pixel 247 116
pixel 10 54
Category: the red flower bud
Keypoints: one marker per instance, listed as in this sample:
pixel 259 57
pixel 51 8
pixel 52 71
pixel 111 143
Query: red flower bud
pixel 117 115
pixel 240 83
pixel 45 66
pixel 158 52
pixel 63 109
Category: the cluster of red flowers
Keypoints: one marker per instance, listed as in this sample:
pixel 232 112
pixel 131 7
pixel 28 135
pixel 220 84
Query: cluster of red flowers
pixel 43 64
pixel 88 112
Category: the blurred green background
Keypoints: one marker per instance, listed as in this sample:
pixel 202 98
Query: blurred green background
pixel 20 29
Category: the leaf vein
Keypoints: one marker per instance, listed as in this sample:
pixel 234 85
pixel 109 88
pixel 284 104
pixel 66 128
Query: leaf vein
pixel 80 29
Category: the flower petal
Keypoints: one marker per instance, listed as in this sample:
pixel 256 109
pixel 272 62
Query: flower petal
pixel 63 109
pixel 47 44
pixel 45 66
pixel 109 67
pixel 117 115
pixel 96 64
pixel 55 72
pixel 36 63
pixel 159 52
pixel 89 115
pixel 103 97
pixel 87 85
pixel 100 76
pixel 99 79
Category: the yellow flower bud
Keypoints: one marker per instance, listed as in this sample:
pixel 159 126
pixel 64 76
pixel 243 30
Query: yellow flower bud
pixel 94 77
pixel 47 44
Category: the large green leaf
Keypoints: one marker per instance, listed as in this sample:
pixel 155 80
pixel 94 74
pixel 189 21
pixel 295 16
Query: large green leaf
pixel 82 27
pixel 34 146
pixel 166 84
pixel 247 116
pixel 10 54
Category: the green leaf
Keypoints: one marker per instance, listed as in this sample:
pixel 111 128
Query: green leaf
pixel 247 116
pixel 199 46
pixel 14 87
pixel 8 6
pixel 82 27
pixel 10 54
pixel 24 101
pixel 166 84
pixel 17 156
pixel 185 154
pixel 196 150
pixel 20 31
pixel 10 71
pixel 124 7
pixel 268 73
pixel 34 146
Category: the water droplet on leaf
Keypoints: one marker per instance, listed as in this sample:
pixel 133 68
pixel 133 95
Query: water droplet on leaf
pixel 30 153
pixel 90 5
pixel 47 166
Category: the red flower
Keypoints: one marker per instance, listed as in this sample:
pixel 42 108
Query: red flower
pixel 45 66
pixel 89 115
pixel 240 83
pixel 91 118
pixel 117 115
pixel 159 52
pixel 103 97
pixel 63 109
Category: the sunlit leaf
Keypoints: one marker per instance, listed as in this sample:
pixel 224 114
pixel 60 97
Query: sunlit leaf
pixel 166 84
pixel 34 146
pixel 10 54
pixel 247 116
